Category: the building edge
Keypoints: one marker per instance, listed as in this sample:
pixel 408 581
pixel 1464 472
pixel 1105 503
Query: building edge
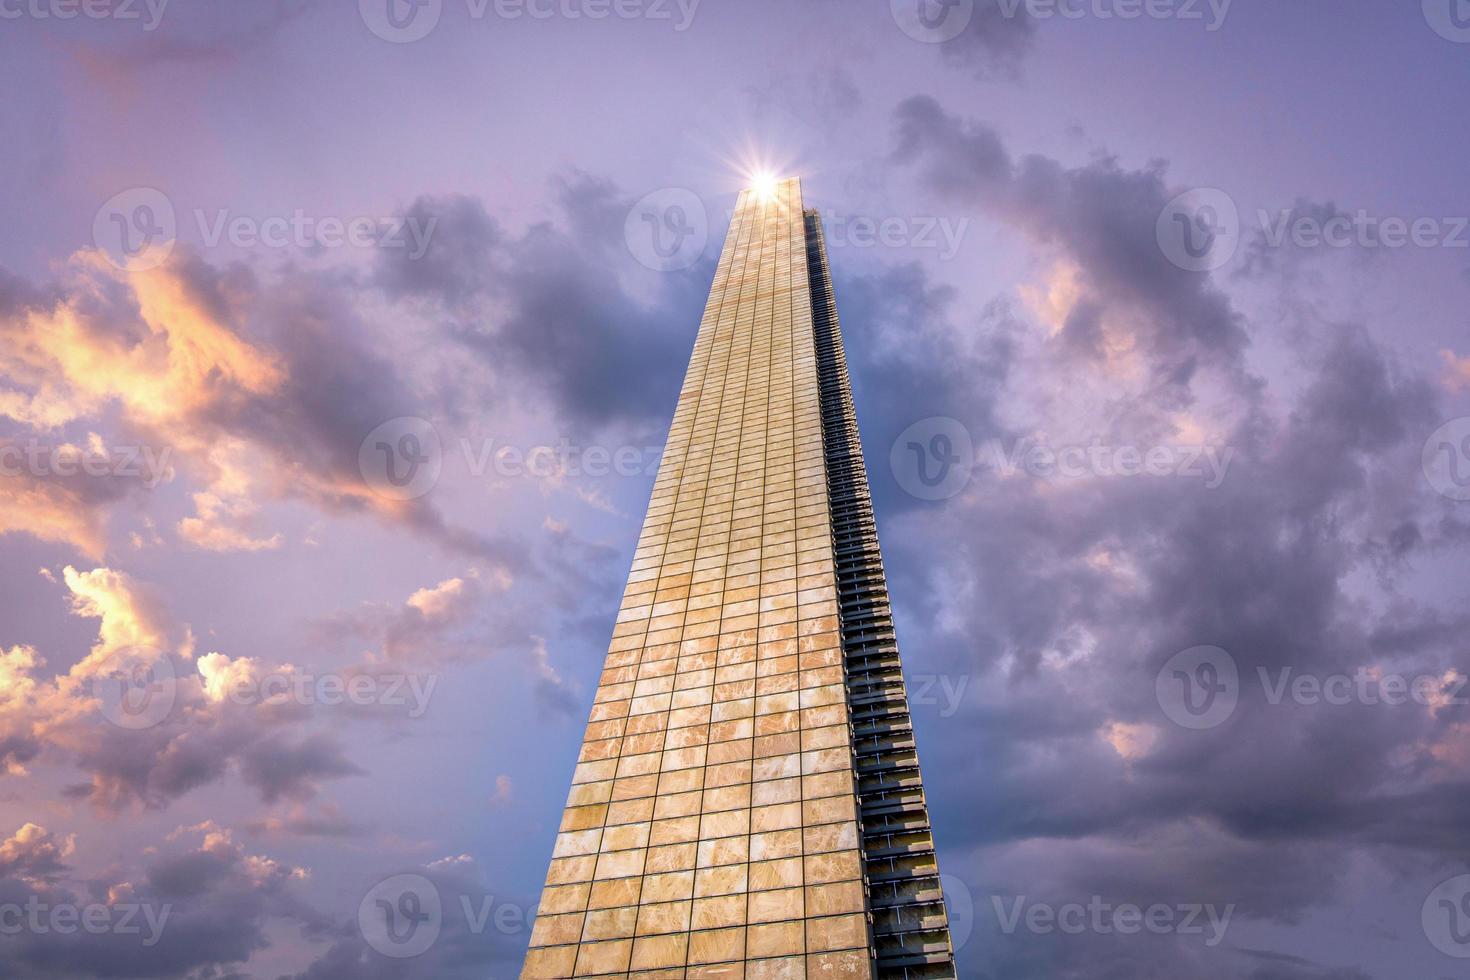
pixel 910 925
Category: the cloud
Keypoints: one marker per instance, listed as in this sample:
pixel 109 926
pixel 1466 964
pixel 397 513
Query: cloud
pixel 484 931
pixel 1270 257
pixel 225 35
pixel 1457 370
pixel 436 624
pixel 130 618
pixel 504 791
pixel 19 743
pixel 1101 219
pixel 326 820
pixel 264 391
pixel 1059 600
pixel 45 492
pixel 35 854
pixel 552 690
pixel 280 768
pixel 192 907
pixel 459 619
pixel 546 310
pixel 201 733
pixel 913 355
pixel 995 42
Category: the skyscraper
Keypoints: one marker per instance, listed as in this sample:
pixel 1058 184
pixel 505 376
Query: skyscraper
pixel 747 802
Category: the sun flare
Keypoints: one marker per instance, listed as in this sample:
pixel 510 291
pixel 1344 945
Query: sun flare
pixel 763 185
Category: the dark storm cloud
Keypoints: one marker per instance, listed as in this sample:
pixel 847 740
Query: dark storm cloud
pixel 1060 775
pixel 193 912
pixel 278 767
pixel 462 257
pixel 547 310
pixel 1100 216
pixel 194 748
pixel 338 388
pixel 471 944
pixel 154 766
pixel 1271 248
pixel 911 358
pixel 1257 567
pixel 196 744
pixel 996 41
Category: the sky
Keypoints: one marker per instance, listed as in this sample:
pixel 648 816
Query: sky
pixel 340 341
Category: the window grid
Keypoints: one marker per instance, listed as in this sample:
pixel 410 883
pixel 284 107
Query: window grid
pixel 711 826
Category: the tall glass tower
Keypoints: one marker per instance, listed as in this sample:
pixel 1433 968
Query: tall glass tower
pixel 747 803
